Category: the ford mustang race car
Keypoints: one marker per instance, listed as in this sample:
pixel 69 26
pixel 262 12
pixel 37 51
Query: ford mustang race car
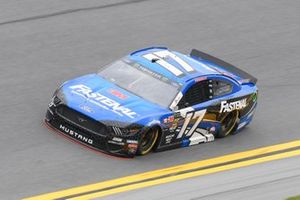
pixel 154 99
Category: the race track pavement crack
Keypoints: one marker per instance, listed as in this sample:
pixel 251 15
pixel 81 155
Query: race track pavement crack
pixel 69 11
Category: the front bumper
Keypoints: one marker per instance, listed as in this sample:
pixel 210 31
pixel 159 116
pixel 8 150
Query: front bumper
pixel 105 142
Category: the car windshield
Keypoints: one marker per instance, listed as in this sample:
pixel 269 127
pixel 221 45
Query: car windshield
pixel 141 81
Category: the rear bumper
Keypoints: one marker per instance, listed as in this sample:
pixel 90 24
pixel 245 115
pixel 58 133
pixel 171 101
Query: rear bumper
pixel 109 144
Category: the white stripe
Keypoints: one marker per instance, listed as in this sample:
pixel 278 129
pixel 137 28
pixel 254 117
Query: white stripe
pixel 210 137
pixel 182 63
pixel 164 64
pixel 199 115
pixel 197 138
pixel 115 130
pixel 176 100
pixel 241 125
pixel 184 111
pixel 119 130
pixel 185 124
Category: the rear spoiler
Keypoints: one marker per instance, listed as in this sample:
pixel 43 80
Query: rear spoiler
pixel 224 65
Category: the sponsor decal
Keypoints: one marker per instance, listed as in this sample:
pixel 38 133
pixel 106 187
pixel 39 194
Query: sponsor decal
pixel 177 114
pixel 174 124
pixel 132 141
pixel 132 147
pixel 230 106
pixel 116 140
pixel 75 134
pixel 171 122
pixel 118 94
pixel 153 74
pixel 169 138
pixel 102 101
pixel 169 119
pixel 254 97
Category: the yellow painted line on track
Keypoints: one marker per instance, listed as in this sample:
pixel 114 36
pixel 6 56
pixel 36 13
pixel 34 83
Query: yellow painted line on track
pixel 184 176
pixel 174 173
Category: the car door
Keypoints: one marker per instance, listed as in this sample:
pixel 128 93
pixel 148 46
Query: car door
pixel 192 109
pixel 201 107
pixel 196 114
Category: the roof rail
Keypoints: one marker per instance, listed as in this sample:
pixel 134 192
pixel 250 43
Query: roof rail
pixel 148 48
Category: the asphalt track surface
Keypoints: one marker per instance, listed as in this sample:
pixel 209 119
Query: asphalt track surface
pixel 43 43
pixel 273 180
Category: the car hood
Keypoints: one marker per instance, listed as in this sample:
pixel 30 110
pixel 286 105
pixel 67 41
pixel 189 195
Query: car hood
pixel 104 101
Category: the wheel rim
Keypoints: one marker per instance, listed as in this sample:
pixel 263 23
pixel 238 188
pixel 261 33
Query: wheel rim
pixel 148 140
pixel 229 122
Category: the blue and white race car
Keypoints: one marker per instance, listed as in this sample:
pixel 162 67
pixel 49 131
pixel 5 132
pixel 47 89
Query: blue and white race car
pixel 154 99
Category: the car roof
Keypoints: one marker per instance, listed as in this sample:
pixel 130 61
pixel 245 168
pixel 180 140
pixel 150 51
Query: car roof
pixel 171 64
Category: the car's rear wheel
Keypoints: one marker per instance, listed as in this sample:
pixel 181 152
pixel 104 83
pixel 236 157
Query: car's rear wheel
pixel 228 123
pixel 147 141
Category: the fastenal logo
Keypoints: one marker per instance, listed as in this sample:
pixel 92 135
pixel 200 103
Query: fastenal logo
pixel 75 134
pixel 236 105
pixel 102 101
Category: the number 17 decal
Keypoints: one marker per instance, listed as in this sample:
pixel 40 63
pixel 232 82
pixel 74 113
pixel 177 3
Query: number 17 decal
pixel 198 115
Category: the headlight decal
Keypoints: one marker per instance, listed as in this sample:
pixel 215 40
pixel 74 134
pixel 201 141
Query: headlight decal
pixel 125 131
pixel 117 130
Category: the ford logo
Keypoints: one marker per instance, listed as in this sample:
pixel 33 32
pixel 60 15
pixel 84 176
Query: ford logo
pixel 81 119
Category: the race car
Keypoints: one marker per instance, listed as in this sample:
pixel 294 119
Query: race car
pixel 152 100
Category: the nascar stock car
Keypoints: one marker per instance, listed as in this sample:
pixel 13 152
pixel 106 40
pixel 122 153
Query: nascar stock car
pixel 154 99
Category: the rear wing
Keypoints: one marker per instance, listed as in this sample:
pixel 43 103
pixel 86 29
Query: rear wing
pixel 224 65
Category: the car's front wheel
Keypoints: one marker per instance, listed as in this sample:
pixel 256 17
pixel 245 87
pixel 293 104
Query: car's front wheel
pixel 147 141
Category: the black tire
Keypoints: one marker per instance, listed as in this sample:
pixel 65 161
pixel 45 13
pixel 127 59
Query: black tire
pixel 147 141
pixel 228 123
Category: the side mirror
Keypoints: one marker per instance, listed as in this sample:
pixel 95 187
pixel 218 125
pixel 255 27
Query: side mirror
pixel 186 104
